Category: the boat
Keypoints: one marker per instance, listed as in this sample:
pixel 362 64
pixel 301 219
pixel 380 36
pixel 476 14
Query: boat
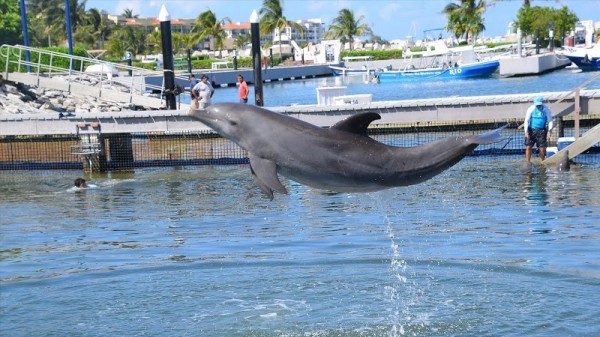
pixel 442 64
pixel 478 69
pixel 585 59
pixel 345 71
pixel 102 69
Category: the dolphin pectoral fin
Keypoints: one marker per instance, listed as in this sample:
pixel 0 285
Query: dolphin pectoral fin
pixel 490 137
pixel 357 123
pixel 265 175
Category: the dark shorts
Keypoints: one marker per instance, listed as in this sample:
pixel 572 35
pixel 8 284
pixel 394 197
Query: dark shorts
pixel 537 136
pixel 243 100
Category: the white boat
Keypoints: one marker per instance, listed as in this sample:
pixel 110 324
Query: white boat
pixel 584 58
pixel 102 69
pixel 345 71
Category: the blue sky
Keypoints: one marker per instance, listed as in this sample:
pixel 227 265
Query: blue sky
pixel 391 19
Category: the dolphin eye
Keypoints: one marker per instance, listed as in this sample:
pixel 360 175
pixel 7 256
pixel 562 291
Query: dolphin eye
pixel 233 123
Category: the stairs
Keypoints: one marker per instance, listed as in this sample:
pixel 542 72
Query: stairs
pixel 589 139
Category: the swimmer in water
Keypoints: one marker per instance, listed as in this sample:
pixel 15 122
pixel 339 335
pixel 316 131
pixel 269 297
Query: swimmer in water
pixel 80 183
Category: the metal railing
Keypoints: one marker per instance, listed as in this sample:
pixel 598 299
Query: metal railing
pixel 41 63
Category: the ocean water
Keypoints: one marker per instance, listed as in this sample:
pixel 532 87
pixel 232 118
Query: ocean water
pixel 484 249
pixel 285 93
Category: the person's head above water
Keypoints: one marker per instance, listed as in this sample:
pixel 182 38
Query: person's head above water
pixel 80 182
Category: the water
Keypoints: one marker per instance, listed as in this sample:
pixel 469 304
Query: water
pixel 286 93
pixel 484 249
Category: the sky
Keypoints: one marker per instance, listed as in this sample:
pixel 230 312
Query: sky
pixel 390 19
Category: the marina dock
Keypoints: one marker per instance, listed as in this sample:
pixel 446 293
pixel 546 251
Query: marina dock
pixel 531 65
pixel 424 111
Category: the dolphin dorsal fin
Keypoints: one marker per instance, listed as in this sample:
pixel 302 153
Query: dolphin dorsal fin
pixel 357 124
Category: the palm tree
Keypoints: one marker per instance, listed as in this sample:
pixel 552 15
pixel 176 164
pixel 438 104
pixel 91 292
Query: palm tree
pixel 207 25
pixel 345 27
pixel 128 14
pixel 242 40
pixel 153 42
pixel 465 18
pixel 49 17
pixel 126 38
pixel 272 19
pixel 48 20
pixel 94 29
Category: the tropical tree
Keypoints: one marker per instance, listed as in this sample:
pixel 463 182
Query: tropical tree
pixel 207 25
pixel 272 19
pixel 465 18
pixel 345 27
pixel 128 14
pixel 94 30
pixel 153 42
pixel 530 19
pixel 242 40
pixel 11 22
pixel 124 38
pixel 48 19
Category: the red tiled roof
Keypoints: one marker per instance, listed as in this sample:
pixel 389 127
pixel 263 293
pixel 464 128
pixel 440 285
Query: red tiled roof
pixel 241 25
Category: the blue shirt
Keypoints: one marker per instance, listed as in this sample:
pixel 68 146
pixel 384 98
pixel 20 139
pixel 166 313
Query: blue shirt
pixel 538 117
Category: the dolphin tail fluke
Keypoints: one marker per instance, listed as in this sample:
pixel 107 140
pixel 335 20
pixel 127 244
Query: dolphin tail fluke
pixel 489 137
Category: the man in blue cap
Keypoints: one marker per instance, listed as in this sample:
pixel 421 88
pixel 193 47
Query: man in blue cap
pixel 538 128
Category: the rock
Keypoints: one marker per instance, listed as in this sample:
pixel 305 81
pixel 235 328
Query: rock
pixel 20 98
pixel 68 102
pixel 56 101
pixel 48 106
pixel 11 89
pixel 14 98
pixel 52 94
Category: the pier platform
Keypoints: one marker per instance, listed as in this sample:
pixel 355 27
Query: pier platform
pixel 427 111
pixel 531 65
pixel 228 77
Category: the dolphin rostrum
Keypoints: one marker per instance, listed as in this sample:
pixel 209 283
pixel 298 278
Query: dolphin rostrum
pixel 341 158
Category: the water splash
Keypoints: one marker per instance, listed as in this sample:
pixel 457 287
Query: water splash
pixel 398 270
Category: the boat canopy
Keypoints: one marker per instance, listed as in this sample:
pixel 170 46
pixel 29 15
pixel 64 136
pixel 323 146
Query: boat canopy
pixel 357 58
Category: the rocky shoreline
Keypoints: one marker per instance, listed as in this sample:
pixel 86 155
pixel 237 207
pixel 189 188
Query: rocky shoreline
pixel 18 98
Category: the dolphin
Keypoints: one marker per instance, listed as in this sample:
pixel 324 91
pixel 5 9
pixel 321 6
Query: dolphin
pixel 341 158
pixel 563 163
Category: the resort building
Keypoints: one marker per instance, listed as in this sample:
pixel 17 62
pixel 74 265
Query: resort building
pixel 313 30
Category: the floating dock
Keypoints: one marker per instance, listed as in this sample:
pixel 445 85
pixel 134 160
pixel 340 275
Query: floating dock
pixel 531 65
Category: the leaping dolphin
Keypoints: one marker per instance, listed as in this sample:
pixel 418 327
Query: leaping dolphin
pixel 341 158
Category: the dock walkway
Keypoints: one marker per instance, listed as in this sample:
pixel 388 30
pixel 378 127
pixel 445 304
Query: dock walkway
pixel 427 111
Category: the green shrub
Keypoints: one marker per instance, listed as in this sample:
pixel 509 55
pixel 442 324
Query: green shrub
pixel 58 61
pixel 377 54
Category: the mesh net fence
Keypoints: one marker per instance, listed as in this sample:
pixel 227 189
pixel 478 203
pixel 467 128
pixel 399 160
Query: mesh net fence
pixel 126 151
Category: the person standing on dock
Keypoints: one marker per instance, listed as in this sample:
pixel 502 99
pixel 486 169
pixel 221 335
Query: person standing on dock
pixel 193 82
pixel 243 91
pixel 203 92
pixel 538 128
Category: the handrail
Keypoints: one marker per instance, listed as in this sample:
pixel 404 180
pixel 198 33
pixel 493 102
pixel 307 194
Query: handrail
pixel 46 63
